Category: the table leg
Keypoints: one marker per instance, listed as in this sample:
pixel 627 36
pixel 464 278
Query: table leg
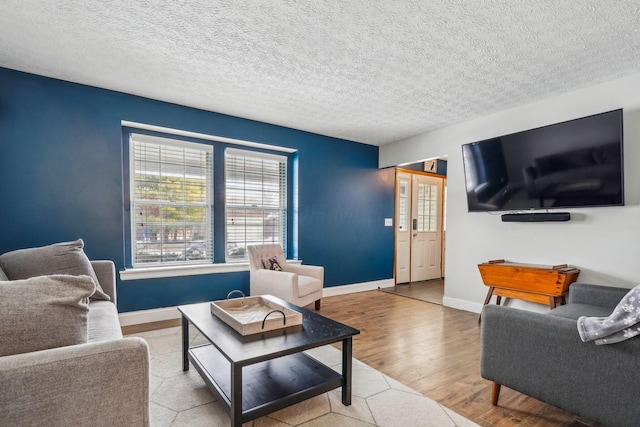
pixel 347 369
pixel 235 412
pixel 185 344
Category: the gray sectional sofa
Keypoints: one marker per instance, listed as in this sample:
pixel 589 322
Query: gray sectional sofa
pixel 63 359
pixel 543 356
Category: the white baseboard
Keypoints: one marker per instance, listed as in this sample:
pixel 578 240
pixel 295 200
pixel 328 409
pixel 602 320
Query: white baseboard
pixel 169 313
pixel 460 304
pixel 148 316
pixel 357 287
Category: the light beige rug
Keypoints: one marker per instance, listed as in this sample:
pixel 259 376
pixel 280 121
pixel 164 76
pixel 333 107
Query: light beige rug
pixel 182 399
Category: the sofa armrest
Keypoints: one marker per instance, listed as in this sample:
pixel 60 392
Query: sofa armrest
pixel 281 284
pixel 314 271
pixel 603 296
pixel 542 356
pixel 106 274
pixel 102 383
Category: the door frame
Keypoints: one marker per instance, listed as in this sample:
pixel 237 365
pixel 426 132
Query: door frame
pixel 396 216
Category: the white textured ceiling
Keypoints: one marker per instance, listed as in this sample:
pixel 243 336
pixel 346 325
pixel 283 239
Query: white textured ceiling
pixel 372 71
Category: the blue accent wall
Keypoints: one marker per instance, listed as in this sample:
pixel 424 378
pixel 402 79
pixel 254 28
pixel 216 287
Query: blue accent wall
pixel 61 178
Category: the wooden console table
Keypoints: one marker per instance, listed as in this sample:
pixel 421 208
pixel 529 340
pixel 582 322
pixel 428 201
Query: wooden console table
pixel 544 284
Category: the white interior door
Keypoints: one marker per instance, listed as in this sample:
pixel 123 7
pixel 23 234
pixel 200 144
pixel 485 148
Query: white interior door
pixel 403 228
pixel 426 229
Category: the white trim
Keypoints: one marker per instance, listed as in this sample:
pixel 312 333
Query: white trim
pixel 186 270
pixel 148 316
pixel 357 287
pixel 180 270
pixel 170 313
pixel 205 136
pixel 461 304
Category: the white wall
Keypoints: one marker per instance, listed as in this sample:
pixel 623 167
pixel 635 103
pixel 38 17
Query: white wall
pixel 603 242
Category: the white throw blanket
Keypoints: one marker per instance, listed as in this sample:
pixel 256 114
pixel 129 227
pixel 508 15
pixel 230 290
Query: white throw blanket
pixel 620 325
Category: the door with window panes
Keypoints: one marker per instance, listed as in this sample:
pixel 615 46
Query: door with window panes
pixel 426 229
pixel 419 238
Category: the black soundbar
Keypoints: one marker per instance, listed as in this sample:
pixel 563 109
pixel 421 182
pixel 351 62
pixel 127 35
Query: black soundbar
pixel 536 217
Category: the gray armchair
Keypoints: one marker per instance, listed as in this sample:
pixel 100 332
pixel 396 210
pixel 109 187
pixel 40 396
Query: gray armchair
pixel 542 355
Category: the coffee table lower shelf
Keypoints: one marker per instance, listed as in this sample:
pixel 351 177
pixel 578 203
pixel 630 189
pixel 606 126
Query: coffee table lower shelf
pixel 266 386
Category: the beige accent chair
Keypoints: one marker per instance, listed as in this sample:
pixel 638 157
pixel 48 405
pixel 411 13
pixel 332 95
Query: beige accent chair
pixel 298 284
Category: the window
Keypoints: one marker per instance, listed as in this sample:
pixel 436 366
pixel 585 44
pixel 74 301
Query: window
pixel 185 208
pixel 256 200
pixel 171 193
pixel 403 205
pixel 427 207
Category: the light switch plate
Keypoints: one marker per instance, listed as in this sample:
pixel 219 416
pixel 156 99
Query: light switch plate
pixel 388 222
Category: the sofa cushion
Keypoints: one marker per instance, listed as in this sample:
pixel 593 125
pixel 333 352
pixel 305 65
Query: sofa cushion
pixel 103 322
pixel 3 276
pixel 43 312
pixel 60 258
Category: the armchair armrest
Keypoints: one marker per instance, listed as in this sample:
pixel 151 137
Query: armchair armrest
pixel 105 382
pixel 314 271
pixel 281 284
pixel 542 356
pixel 603 296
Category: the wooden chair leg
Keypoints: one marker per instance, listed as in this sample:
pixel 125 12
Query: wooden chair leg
pixel 317 305
pixel 495 392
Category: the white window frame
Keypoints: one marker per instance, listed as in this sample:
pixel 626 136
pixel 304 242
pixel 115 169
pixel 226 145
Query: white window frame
pixel 207 204
pixel 280 226
pixel 163 271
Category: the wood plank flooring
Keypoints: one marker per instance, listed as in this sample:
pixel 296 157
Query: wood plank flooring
pixel 432 349
pixel 435 350
pixel 427 290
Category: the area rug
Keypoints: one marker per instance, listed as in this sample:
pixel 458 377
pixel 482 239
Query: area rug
pixel 182 399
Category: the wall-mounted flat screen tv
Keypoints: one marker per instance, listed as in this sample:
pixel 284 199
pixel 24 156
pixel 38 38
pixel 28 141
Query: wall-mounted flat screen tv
pixel 572 164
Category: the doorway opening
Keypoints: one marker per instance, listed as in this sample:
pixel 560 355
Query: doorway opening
pixel 420 232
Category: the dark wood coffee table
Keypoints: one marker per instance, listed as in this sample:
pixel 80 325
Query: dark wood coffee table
pixel 258 374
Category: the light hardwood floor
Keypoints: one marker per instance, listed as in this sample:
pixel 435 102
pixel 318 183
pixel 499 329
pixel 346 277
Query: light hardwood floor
pixel 427 290
pixel 434 350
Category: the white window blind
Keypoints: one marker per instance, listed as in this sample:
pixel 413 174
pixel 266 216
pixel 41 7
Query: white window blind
pixel 171 188
pixel 256 195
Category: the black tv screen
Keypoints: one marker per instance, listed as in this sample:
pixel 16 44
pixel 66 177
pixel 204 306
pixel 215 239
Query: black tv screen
pixel 577 163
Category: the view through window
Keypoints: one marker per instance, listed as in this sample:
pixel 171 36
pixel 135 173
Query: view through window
pixel 172 184
pixel 255 192
pixel 171 201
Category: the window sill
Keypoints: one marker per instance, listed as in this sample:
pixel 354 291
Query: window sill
pixel 185 270
pixel 181 270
